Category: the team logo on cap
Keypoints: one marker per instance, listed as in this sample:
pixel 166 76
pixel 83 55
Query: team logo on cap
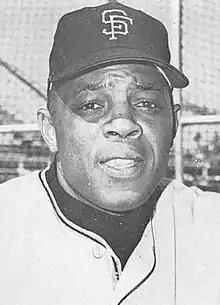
pixel 118 22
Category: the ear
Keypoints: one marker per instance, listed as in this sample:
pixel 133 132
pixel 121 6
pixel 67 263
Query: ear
pixel 45 122
pixel 176 111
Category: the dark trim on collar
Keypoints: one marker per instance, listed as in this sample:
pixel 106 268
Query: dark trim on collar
pixel 62 218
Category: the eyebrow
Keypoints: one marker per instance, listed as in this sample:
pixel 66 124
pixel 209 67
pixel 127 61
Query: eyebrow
pixel 146 87
pixel 90 87
pixel 100 85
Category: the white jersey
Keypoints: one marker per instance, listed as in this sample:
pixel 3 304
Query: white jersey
pixel 47 260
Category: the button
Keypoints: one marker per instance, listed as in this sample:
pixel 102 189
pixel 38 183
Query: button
pixel 98 252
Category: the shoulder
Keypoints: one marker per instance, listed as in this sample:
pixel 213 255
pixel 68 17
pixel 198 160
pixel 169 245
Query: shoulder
pixel 201 206
pixel 20 195
pixel 22 200
pixel 193 195
pixel 20 187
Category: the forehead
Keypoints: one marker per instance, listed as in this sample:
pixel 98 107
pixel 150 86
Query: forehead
pixel 131 73
pixel 134 72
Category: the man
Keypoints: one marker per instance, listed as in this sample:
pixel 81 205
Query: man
pixel 97 227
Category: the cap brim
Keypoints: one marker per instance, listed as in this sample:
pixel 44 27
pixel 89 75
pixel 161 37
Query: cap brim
pixel 117 55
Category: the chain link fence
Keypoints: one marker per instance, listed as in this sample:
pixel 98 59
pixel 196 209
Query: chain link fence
pixel 200 152
pixel 22 150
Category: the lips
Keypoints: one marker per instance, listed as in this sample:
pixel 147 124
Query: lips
pixel 120 163
pixel 122 167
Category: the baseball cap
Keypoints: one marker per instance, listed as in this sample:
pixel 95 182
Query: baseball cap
pixel 112 33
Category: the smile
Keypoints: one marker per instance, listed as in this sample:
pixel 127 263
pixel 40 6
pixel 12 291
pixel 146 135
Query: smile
pixel 122 167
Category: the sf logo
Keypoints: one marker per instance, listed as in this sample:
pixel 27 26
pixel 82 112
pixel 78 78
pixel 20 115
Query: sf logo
pixel 118 23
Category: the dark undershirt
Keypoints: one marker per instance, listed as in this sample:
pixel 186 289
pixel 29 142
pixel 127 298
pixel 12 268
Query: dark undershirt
pixel 122 232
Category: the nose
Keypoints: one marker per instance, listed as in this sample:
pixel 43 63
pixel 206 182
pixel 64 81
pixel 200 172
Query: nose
pixel 122 128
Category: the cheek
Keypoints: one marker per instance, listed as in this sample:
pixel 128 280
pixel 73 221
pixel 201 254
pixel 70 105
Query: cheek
pixel 75 140
pixel 165 137
pixel 159 134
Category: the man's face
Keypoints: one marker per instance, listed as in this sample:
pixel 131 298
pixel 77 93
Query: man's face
pixel 114 132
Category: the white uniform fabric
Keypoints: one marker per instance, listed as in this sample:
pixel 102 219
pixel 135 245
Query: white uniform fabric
pixel 46 260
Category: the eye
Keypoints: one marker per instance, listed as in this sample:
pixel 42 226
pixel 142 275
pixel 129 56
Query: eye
pixel 92 105
pixel 146 104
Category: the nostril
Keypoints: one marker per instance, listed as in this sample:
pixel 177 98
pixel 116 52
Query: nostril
pixel 112 133
pixel 133 133
pixel 122 128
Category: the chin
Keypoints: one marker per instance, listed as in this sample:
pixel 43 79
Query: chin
pixel 121 202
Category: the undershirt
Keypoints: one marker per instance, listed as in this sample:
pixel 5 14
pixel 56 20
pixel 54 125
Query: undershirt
pixel 122 232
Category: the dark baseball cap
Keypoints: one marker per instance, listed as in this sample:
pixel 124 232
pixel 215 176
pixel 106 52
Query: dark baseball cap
pixel 94 37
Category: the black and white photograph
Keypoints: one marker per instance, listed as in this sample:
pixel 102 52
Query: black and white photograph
pixel 109 152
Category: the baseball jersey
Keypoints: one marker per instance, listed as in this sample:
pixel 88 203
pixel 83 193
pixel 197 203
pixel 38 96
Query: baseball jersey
pixel 47 259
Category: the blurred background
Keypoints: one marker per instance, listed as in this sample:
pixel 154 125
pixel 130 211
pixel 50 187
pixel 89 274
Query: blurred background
pixel 26 36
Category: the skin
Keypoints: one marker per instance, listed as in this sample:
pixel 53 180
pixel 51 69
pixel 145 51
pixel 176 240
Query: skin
pixel 123 112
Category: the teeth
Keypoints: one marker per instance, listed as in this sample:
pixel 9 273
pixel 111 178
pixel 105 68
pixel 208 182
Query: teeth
pixel 120 163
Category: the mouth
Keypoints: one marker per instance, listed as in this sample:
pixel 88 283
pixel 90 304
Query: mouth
pixel 122 167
